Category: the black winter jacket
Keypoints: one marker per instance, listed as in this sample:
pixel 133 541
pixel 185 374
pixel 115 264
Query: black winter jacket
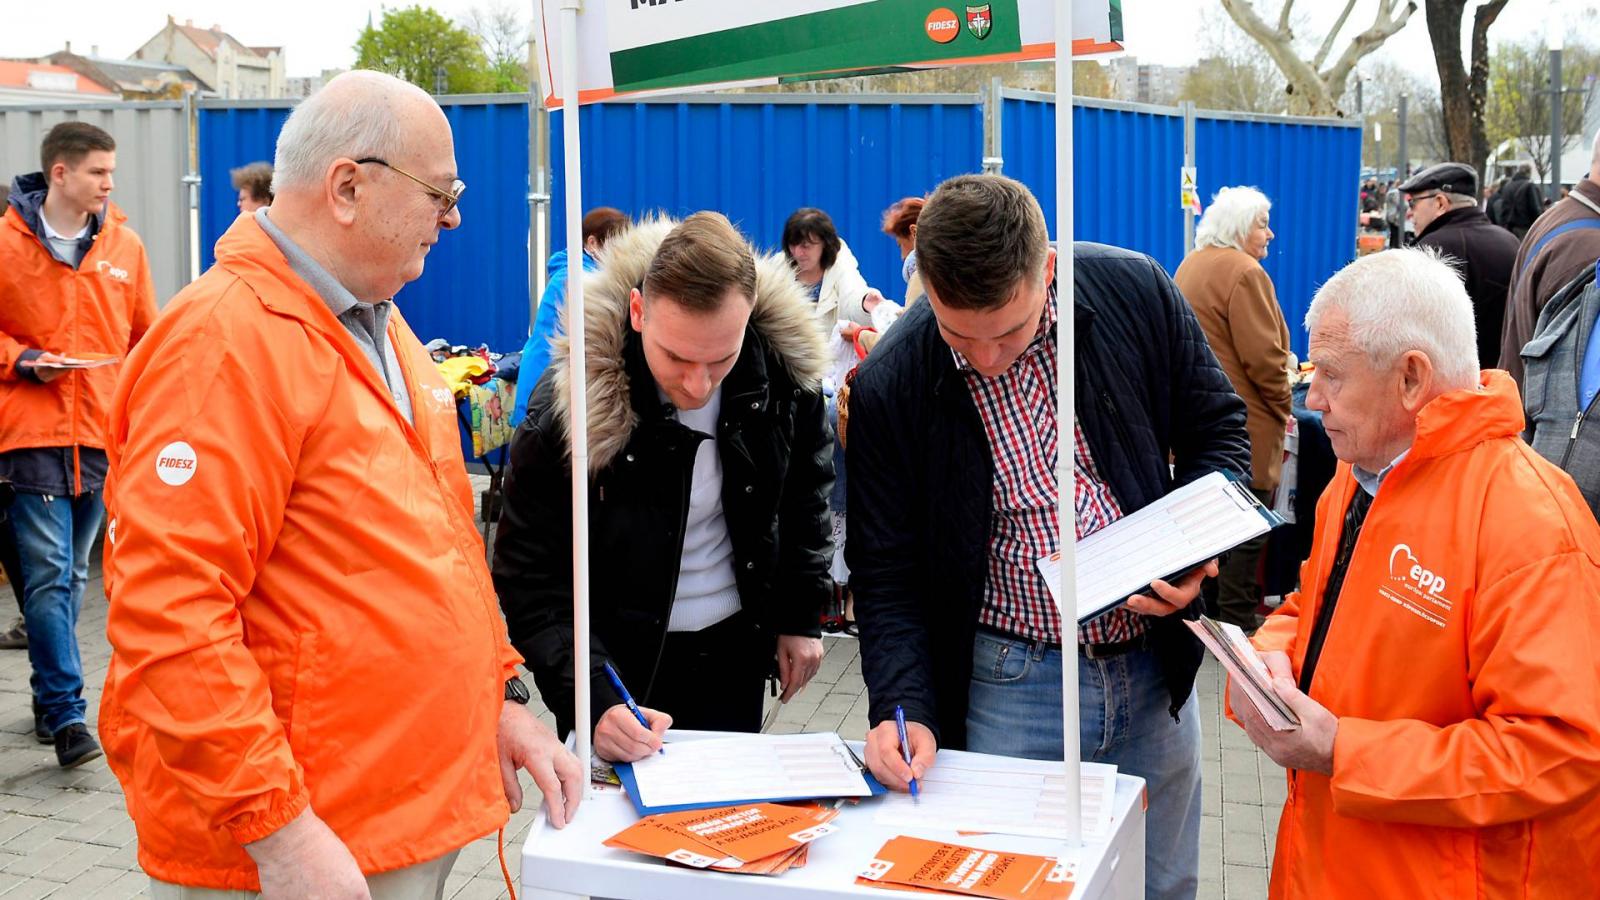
pixel 921 475
pixel 1484 254
pixel 777 456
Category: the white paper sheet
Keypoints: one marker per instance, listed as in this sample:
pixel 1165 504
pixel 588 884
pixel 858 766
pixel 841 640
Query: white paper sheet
pixel 1004 796
pixel 752 767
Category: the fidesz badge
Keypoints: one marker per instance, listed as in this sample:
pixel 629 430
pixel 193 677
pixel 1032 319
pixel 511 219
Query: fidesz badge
pixel 175 463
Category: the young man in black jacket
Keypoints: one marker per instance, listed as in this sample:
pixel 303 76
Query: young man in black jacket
pixel 709 470
pixel 952 450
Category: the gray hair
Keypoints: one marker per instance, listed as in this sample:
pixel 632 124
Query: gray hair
pixel 1403 300
pixel 1461 200
pixel 1230 218
pixel 327 126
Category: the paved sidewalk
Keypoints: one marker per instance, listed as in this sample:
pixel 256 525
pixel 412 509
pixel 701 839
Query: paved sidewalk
pixel 66 835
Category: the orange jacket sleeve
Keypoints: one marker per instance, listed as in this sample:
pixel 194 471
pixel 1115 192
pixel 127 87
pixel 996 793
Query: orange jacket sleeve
pixel 1534 749
pixel 186 551
pixel 144 303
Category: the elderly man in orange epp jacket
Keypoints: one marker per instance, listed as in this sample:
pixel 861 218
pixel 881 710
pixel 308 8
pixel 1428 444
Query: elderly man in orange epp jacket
pixel 1441 655
pixel 311 693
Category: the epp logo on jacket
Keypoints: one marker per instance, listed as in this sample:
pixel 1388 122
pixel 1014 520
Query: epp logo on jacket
pixel 175 463
pixel 1422 589
pixel 112 272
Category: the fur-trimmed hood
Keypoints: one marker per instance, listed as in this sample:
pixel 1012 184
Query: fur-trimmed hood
pixel 782 317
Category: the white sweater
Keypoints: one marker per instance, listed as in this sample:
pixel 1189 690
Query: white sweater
pixel 707 591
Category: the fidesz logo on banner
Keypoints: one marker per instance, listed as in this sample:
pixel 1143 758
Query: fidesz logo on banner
pixel 942 25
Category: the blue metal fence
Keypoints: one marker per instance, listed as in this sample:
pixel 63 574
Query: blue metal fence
pixel 474 288
pixel 1313 216
pixel 1127 163
pixel 757 158
pixel 1125 177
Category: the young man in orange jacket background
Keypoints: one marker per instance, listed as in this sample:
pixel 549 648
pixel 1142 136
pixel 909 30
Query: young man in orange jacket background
pixel 311 692
pixel 73 283
pixel 1441 652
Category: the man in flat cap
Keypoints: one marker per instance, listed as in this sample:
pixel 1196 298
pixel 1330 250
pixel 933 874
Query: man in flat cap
pixel 1444 207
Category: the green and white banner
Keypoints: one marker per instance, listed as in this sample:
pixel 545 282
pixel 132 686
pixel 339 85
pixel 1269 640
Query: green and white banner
pixel 630 46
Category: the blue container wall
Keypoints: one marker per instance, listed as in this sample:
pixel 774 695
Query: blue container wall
pixel 474 286
pixel 1125 173
pixel 1313 215
pixel 1126 185
pixel 757 163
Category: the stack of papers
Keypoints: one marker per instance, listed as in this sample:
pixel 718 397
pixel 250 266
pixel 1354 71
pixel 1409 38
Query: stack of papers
pixel 908 863
pixel 756 839
pixel 752 768
pixel 1000 795
pixel 81 361
pixel 1231 648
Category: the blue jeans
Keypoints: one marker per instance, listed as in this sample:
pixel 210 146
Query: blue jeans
pixel 54 538
pixel 1015 710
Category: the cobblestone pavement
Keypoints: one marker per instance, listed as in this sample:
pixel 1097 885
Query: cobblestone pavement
pixel 66 834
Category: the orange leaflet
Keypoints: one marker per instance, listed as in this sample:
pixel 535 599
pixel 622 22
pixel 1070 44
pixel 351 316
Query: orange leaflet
pixel 913 863
pixel 754 831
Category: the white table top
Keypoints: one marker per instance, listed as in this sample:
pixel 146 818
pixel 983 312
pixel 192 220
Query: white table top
pixel 574 861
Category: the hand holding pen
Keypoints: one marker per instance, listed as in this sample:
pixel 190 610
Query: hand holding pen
pixel 887 752
pixel 627 732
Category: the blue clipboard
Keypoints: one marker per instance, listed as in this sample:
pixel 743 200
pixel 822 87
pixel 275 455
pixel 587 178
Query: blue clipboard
pixel 631 785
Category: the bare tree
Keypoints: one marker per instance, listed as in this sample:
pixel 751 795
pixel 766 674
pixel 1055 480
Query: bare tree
pixel 503 30
pixel 1464 93
pixel 1315 84
pixel 1383 81
pixel 1234 71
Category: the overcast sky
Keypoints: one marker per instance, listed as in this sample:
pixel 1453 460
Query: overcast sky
pixel 318 34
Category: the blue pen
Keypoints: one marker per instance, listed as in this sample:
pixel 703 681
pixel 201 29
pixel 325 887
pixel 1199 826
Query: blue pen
pixel 616 682
pixel 905 745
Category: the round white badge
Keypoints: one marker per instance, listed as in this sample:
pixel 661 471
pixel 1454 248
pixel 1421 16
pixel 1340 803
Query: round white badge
pixel 175 463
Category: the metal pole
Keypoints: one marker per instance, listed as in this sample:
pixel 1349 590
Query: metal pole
pixel 191 127
pixel 994 137
pixel 1066 475
pixel 538 185
pixel 1556 137
pixel 1360 109
pixel 1188 162
pixel 578 375
pixel 1403 169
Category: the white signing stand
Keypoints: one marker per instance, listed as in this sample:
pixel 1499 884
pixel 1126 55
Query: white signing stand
pixel 572 862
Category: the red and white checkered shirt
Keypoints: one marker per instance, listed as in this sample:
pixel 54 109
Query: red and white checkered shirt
pixel 1018 409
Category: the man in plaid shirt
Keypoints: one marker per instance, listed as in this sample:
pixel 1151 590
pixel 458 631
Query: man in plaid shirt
pixel 953 453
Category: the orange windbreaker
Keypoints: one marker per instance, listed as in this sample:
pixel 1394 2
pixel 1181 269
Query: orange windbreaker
pixel 103 306
pixel 1463 662
pixel 300 609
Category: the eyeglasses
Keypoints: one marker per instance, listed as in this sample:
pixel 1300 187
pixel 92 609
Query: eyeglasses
pixel 1414 200
pixel 448 199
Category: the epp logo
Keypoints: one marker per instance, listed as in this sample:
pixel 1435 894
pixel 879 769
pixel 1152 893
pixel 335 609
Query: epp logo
pixel 1403 566
pixel 105 268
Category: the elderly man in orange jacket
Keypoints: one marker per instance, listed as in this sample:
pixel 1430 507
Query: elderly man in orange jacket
pixel 311 692
pixel 1441 655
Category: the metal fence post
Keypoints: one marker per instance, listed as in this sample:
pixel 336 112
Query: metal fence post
pixel 993 139
pixel 1188 108
pixel 191 119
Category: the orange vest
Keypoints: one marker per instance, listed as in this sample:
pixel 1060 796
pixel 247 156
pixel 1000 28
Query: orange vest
pixel 103 306
pixel 1463 662
pixel 300 609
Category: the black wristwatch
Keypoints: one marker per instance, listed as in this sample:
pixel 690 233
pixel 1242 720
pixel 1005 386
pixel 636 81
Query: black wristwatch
pixel 517 692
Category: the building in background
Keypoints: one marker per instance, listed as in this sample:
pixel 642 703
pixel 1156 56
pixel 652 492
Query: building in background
pixel 25 81
pixel 1137 82
pixel 225 66
pixel 131 79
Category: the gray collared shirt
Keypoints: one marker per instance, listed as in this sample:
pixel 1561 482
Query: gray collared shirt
pixel 368 323
pixel 1369 481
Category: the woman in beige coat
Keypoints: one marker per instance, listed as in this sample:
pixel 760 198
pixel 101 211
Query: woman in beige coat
pixel 1238 309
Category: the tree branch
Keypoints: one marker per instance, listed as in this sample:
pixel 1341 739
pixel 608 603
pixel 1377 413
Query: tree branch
pixel 1283 16
pixel 1327 42
pixel 1280 46
pixel 1383 27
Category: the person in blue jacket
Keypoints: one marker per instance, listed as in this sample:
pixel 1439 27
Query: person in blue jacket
pixel 598 226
